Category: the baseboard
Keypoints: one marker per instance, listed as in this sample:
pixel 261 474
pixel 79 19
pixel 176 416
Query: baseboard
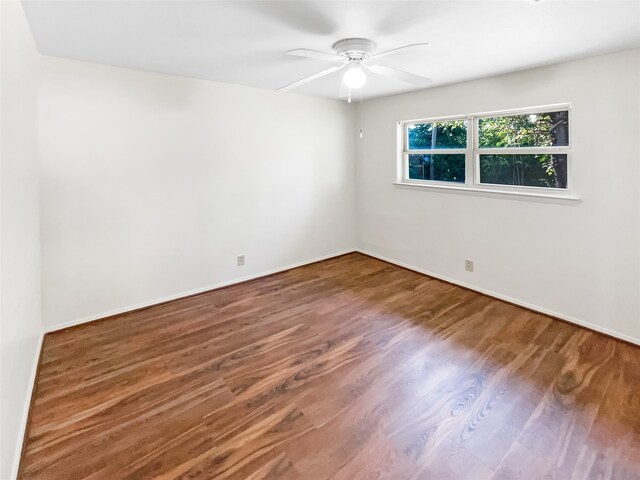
pixel 24 421
pixel 506 298
pixel 190 293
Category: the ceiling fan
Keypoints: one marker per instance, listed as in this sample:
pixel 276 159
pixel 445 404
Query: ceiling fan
pixel 354 55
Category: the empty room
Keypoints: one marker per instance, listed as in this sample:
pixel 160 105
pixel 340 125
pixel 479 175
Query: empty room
pixel 308 240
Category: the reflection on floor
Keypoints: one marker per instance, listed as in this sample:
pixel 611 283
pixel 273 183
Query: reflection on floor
pixel 348 368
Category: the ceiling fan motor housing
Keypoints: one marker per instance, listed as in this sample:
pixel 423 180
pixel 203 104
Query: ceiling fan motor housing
pixel 354 48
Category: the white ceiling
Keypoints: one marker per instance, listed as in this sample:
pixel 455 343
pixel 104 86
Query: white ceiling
pixel 244 42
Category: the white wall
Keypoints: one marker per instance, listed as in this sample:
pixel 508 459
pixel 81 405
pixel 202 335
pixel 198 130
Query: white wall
pixel 153 184
pixel 20 323
pixel 580 262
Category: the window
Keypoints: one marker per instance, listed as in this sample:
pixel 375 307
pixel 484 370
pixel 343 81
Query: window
pixel 528 150
pixel 436 150
pixel 516 151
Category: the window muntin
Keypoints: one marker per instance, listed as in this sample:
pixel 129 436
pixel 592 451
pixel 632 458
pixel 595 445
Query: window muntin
pixel 526 149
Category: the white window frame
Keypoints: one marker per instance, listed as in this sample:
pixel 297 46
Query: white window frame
pixel 472 153
pixel 432 151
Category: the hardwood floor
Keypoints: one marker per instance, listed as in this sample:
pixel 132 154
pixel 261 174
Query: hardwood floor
pixel 350 368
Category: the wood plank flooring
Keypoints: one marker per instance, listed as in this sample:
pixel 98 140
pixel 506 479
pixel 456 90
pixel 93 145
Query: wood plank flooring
pixel 350 368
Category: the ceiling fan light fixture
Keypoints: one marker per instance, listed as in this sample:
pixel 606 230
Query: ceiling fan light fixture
pixel 355 76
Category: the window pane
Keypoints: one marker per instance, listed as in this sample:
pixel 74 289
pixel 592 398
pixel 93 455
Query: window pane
pixel 437 135
pixel 441 167
pixel 527 170
pixel 532 130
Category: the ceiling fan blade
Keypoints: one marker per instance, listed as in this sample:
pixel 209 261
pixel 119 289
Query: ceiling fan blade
pixel 395 50
pixel 406 77
pixel 310 78
pixel 316 54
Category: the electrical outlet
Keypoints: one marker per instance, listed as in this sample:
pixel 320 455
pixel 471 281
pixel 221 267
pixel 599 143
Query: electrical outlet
pixel 240 260
pixel 468 265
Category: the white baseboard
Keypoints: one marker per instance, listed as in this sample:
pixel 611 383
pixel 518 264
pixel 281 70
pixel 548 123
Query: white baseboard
pixel 150 303
pixel 506 298
pixel 597 328
pixel 27 406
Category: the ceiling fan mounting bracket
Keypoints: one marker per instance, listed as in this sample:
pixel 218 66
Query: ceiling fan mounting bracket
pixel 354 48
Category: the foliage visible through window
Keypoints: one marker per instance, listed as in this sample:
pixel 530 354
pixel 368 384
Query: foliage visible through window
pixel 432 140
pixel 524 150
pixel 533 130
pixel 527 170
pixel 439 135
pixel 524 131
pixel 444 168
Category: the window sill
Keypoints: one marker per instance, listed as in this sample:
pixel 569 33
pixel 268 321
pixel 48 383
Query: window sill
pixel 495 193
